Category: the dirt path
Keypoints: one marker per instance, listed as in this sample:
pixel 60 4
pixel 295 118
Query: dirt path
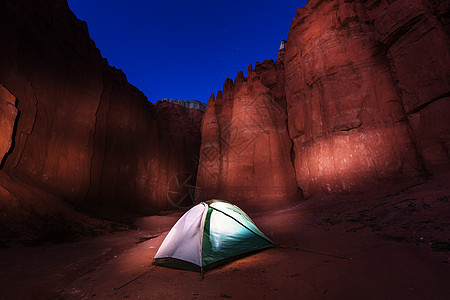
pixel 389 247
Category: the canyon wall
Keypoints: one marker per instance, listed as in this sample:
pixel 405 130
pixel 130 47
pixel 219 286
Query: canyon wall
pixel 246 151
pixel 358 98
pixel 8 113
pixel 366 86
pixel 186 103
pixel 80 132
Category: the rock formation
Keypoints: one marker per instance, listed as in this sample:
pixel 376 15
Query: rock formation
pixel 82 133
pixel 180 137
pixel 188 104
pixel 358 97
pixel 366 85
pixel 8 113
pixel 356 83
pixel 246 151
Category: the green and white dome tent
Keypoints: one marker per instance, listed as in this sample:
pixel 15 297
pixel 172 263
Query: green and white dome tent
pixel 210 234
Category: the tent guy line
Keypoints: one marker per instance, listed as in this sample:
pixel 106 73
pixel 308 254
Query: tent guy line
pixel 314 252
pixel 134 279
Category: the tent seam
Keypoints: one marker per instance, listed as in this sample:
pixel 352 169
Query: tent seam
pixel 202 230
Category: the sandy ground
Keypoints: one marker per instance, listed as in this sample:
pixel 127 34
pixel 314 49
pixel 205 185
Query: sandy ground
pixel 394 245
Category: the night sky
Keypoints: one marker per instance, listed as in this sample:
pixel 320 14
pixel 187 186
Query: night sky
pixel 185 48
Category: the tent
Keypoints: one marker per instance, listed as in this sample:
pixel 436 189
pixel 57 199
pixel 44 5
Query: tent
pixel 209 234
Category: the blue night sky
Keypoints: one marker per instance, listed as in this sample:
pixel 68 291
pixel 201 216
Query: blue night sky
pixel 185 49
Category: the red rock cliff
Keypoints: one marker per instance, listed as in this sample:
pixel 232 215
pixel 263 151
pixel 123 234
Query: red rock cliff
pixel 8 112
pixel 367 90
pixel 367 87
pixel 246 151
pixel 83 133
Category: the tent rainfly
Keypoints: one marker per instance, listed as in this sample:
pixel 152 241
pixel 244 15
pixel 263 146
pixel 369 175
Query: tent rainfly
pixel 209 234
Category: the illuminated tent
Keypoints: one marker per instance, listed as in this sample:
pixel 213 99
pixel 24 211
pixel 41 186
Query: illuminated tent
pixel 209 234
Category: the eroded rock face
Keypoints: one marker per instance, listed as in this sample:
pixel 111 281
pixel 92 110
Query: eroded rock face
pixel 356 75
pixel 246 152
pixel 359 96
pixel 415 38
pixel 366 84
pixel 187 103
pixel 179 138
pixel 56 73
pixel 8 114
pixel 85 134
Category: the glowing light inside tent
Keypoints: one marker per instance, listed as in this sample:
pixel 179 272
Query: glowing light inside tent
pixel 208 234
pixel 224 226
